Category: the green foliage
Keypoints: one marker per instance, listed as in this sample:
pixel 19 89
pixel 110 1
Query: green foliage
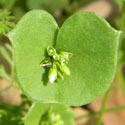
pixel 122 51
pixel 11 114
pixel 8 4
pixel 93 44
pixel 76 4
pixel 49 5
pixel 5 22
pixel 44 112
pixel 92 41
pixel 123 33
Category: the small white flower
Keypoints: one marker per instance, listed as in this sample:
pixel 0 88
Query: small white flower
pixel 53 118
pixel 50 50
pixel 62 61
pixel 67 55
pixel 52 75
pixel 54 57
pixel 52 78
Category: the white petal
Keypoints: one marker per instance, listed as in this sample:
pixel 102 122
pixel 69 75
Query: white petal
pixel 52 78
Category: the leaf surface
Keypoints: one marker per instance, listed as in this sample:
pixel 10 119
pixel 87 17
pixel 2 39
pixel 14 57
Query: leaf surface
pixel 93 43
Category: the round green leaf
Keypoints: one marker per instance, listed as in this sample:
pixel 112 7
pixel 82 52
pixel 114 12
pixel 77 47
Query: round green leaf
pixel 91 40
pixel 94 44
pixel 34 116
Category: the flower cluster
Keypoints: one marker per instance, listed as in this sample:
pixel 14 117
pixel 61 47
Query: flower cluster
pixel 57 64
pixel 50 118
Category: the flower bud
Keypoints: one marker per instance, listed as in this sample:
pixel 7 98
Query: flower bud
pixel 66 54
pixel 60 75
pixel 52 75
pixel 56 57
pixel 51 51
pixel 62 60
pixel 65 69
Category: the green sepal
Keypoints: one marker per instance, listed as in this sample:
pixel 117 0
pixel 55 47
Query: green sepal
pixel 51 51
pixel 64 69
pixel 60 75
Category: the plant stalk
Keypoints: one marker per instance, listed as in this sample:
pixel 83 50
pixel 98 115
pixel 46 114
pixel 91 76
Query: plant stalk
pixel 122 24
pixel 122 28
pixel 117 108
pixel 104 102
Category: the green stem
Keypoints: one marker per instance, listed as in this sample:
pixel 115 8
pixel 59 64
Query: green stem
pixel 122 28
pixel 115 109
pixel 96 113
pixel 13 68
pixel 122 24
pixel 121 77
pixel 12 75
pixel 104 102
pixel 86 115
pixel 123 17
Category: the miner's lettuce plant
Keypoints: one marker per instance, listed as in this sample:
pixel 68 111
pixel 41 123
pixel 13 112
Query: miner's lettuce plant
pixel 72 65
pixel 91 40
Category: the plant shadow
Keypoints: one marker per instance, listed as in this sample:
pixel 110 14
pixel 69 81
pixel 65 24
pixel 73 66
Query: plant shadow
pixel 45 76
